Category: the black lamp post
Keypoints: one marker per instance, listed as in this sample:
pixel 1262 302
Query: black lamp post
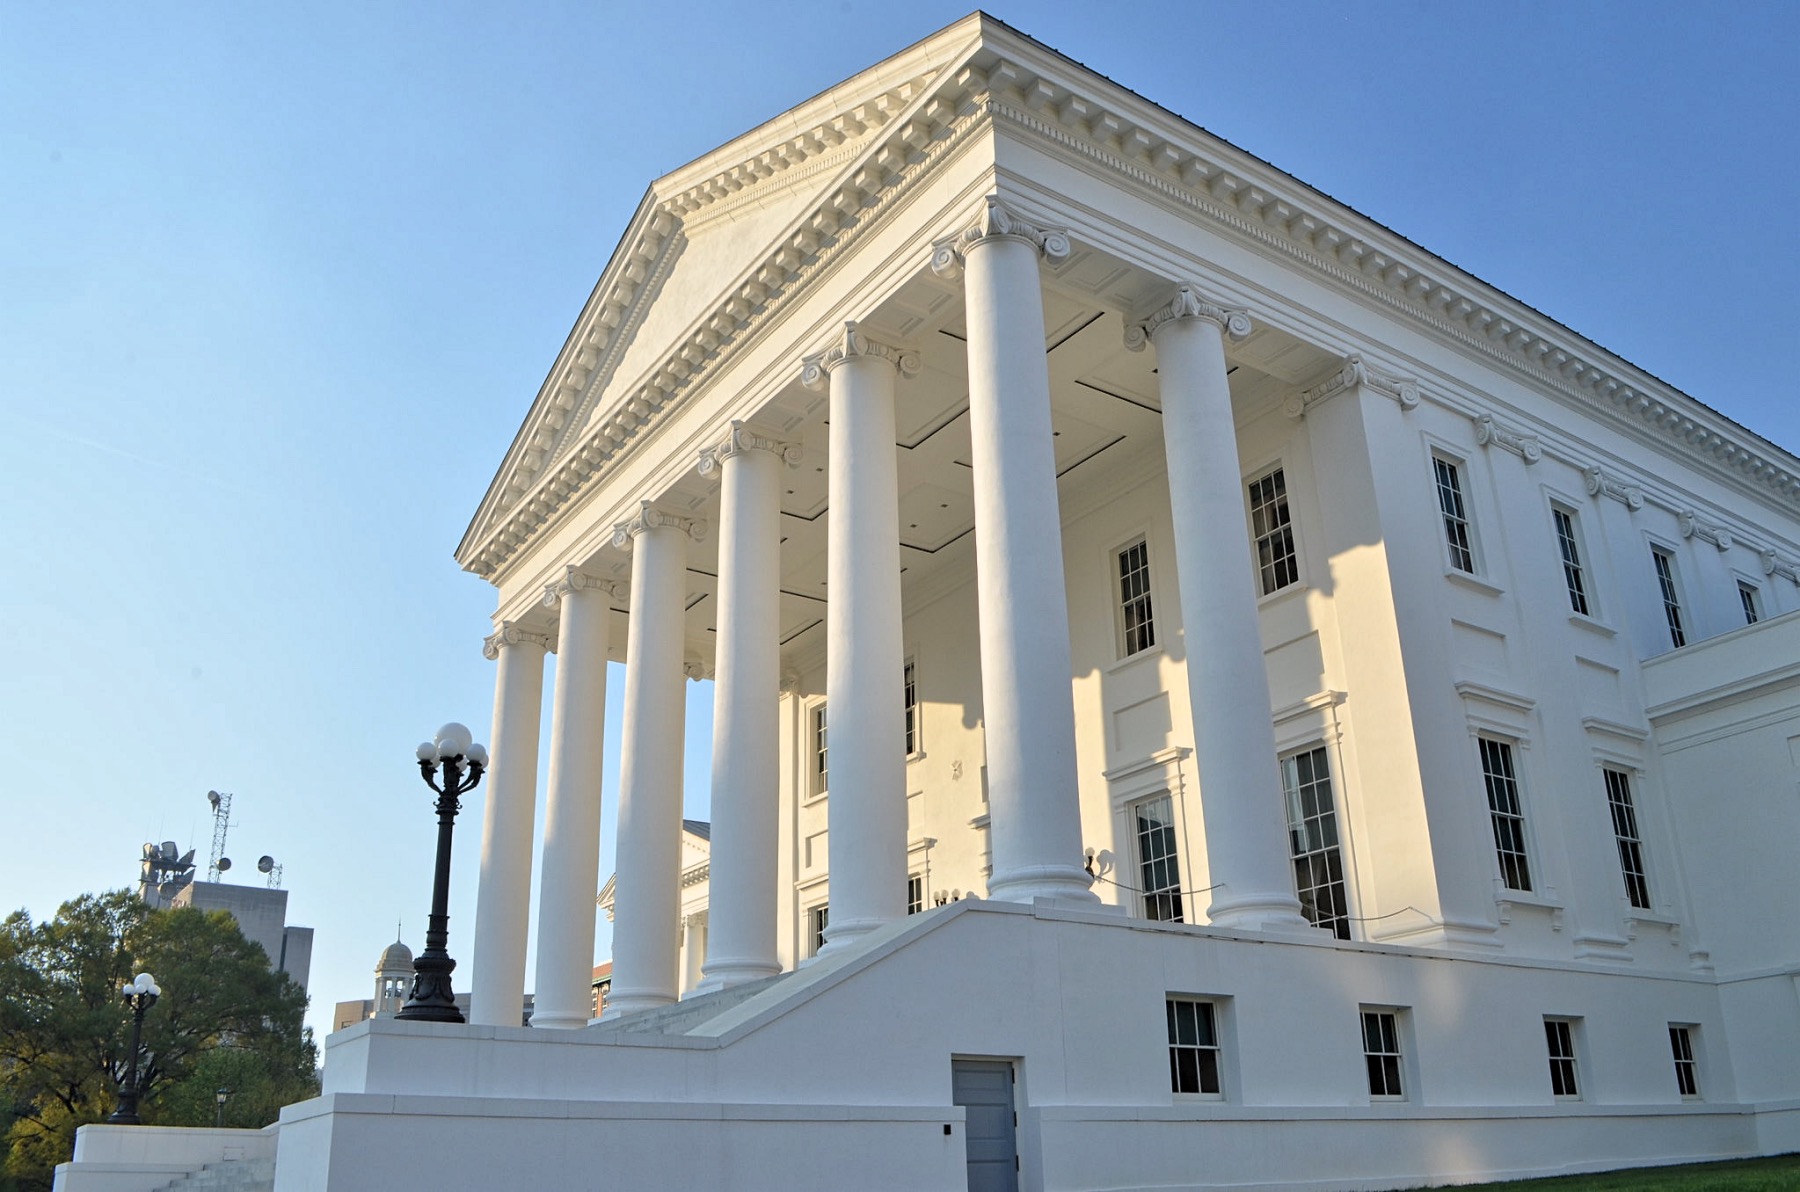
pixel 140 995
pixel 219 1101
pixel 452 766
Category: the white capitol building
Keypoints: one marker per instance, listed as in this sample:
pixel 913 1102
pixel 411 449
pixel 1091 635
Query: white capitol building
pixel 1208 694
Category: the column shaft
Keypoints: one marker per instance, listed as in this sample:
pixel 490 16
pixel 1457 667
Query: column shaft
pixel 1028 706
pixel 746 704
pixel 646 898
pixel 565 939
pixel 502 903
pixel 864 664
pixel 1234 736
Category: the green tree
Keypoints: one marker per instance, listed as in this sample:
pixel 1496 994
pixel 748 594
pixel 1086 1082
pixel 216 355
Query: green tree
pixel 224 1017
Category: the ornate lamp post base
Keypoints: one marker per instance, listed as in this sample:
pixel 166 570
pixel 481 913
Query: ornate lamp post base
pixel 431 999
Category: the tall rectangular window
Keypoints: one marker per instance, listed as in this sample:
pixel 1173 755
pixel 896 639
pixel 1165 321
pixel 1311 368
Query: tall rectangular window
pixel 1136 619
pixel 1671 597
pixel 1559 1039
pixel 1573 576
pixel 915 894
pixel 1625 831
pixel 1381 1053
pixel 1455 514
pixel 820 770
pixel 1313 841
pixel 1273 530
pixel 1687 1072
pixel 818 919
pixel 912 709
pixel 1153 825
pixel 1507 813
pixel 1193 1047
pixel 1751 599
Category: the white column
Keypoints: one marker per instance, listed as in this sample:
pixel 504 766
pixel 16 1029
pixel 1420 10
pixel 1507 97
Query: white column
pixel 502 904
pixel 1028 706
pixel 693 951
pixel 746 700
pixel 1234 735
pixel 864 665
pixel 565 937
pixel 646 898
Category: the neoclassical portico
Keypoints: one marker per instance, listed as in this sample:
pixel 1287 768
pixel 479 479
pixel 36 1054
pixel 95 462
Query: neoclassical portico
pixel 1034 815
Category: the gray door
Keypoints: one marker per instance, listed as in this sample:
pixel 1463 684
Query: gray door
pixel 984 1088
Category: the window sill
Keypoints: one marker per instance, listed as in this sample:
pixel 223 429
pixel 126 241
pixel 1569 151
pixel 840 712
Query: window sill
pixel 1297 588
pixel 1591 625
pixel 815 797
pixel 1201 1098
pixel 1131 660
pixel 1527 898
pixel 918 756
pixel 1473 582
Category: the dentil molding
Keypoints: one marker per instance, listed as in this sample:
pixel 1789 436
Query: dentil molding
pixel 512 634
pixel 649 517
pixel 854 345
pixel 1186 304
pixel 996 220
pixel 740 439
pixel 1355 372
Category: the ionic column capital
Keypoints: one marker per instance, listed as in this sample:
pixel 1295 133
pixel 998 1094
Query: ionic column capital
pixel 741 438
pixel 996 221
pixel 512 634
pixel 1692 527
pixel 855 345
pixel 576 580
pixel 1600 484
pixel 697 668
pixel 1355 372
pixel 1186 304
pixel 649 517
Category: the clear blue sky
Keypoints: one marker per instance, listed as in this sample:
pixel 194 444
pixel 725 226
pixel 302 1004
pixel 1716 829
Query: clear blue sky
pixel 279 282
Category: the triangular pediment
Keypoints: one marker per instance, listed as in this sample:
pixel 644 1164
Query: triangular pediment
pixel 673 291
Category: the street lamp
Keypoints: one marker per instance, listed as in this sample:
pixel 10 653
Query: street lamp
pixel 140 995
pixel 219 1101
pixel 451 765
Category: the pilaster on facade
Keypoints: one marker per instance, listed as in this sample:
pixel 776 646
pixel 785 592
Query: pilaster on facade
pixel 1489 433
pixel 1355 372
pixel 1599 484
pixel 997 220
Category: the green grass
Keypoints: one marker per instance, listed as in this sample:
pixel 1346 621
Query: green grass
pixel 1780 1173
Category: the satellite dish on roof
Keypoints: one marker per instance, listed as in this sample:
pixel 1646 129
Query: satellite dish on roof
pixel 224 864
pixel 265 863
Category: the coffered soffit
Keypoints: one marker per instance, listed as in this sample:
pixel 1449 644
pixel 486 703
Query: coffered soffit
pixel 838 161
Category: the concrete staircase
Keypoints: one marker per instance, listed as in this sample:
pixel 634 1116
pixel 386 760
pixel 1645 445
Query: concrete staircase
pixel 678 1018
pixel 228 1175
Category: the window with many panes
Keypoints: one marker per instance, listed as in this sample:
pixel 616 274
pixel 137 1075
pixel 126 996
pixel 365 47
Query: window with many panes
pixel 1313 841
pixel 1687 1072
pixel 1381 1053
pixel 1193 1047
pixel 1506 811
pixel 1751 599
pixel 818 918
pixel 1664 562
pixel 819 770
pixel 1273 531
pixel 1136 621
pixel 1559 1039
pixel 1457 538
pixel 1574 577
pixel 1625 832
pixel 909 678
pixel 915 894
pixel 1159 868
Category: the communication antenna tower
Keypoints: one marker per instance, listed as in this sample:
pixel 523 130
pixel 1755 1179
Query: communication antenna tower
pixel 221 808
pixel 266 864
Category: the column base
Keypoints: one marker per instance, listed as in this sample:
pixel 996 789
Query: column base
pixel 841 936
pixel 1259 912
pixel 1064 883
pixel 723 974
pixel 559 1020
pixel 630 1003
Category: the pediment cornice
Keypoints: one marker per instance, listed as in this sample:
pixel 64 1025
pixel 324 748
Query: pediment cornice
pixel 980 74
